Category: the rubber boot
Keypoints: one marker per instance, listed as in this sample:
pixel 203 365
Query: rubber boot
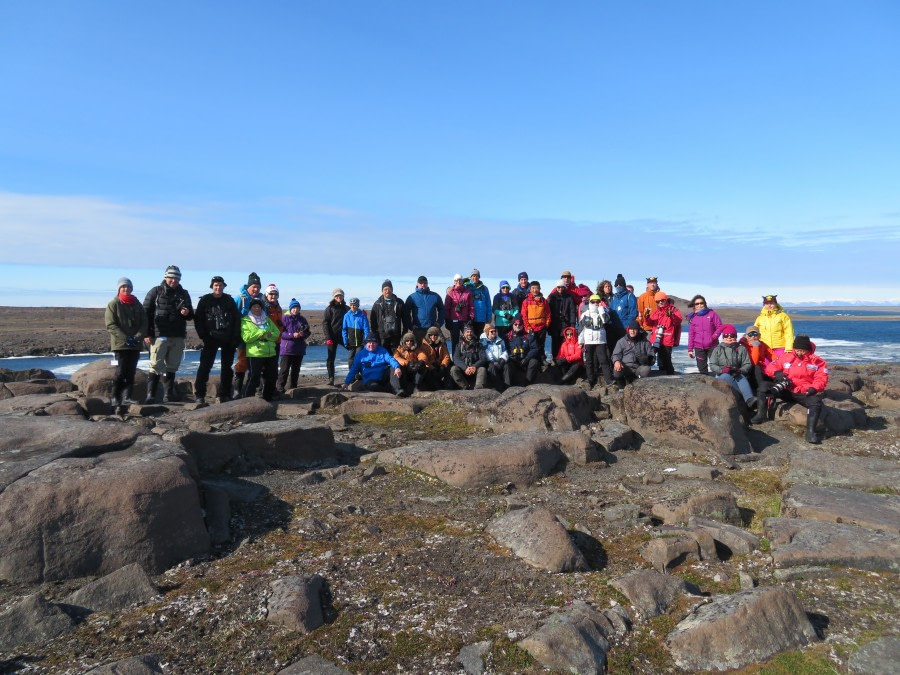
pixel 126 399
pixel 762 411
pixel 152 388
pixel 238 385
pixel 171 393
pixel 116 399
pixel 570 374
pixel 811 420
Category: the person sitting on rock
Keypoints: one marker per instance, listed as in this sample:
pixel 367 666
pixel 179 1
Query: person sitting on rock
pixel 379 370
pixel 536 317
pixel 469 369
pixel 354 329
pixel 126 322
pixel 666 322
pixel 632 356
pixel 524 360
pixel 799 376
pixel 730 362
pixel 569 359
pixel 760 355
pixel 497 357
pixel 437 360
pixel 293 346
pixel 412 360
pixel 218 323
pixel 260 335
pixel 592 337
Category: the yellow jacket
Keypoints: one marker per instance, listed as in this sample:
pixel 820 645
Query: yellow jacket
pixel 776 328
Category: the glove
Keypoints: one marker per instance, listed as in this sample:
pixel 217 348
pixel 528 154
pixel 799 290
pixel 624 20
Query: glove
pixel 330 343
pixel 726 370
pixel 811 391
pixel 779 376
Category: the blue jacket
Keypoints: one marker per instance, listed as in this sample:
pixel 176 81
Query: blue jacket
pixel 481 297
pixel 355 328
pixel 522 347
pixel 242 300
pixel 423 309
pixel 372 365
pixel 624 307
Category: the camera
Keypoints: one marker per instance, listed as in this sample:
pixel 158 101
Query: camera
pixel 781 387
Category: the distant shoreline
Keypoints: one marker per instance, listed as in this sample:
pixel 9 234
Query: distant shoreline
pixel 49 331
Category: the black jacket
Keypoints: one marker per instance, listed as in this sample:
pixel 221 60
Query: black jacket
pixel 218 319
pixel 333 321
pixel 386 317
pixel 163 306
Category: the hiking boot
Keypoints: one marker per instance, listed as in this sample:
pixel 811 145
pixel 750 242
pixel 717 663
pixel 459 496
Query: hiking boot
pixel 126 399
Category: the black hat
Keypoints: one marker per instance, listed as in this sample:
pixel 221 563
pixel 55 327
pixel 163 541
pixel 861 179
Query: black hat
pixel 802 342
pixel 387 284
pixel 253 279
pixel 422 280
pixel 523 275
pixel 372 337
pixel 218 279
pixel 634 324
pixel 256 301
pixel 653 279
pixel 770 298
pixel 620 281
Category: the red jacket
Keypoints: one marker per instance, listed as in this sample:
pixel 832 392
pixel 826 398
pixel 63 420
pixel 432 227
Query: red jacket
pixel 570 350
pixel 808 371
pixel 535 313
pixel 669 318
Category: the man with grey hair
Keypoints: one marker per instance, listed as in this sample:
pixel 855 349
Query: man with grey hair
pixel 168 307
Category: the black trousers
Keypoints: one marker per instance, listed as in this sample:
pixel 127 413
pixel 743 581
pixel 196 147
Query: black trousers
pixel 207 358
pixel 290 365
pixel 522 373
pixel 664 358
pixel 812 403
pixel 126 366
pixel 329 359
pixel 262 368
pixel 702 357
pixel 596 360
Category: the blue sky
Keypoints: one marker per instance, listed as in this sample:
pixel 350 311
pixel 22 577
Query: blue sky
pixel 731 148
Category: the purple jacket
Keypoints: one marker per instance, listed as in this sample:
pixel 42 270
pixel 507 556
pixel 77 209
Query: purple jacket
pixel 704 329
pixel 291 346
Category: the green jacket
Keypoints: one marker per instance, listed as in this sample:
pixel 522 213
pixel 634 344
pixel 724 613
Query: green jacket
pixel 124 321
pixel 261 343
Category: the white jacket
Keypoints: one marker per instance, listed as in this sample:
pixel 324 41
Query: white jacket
pixel 590 325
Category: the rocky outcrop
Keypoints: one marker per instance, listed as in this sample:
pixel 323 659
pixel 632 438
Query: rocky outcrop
pixel 540 407
pixel 520 459
pixel 97 377
pixel 652 593
pixel 840 505
pixel 698 414
pixel 82 516
pixel 734 631
pixel 822 468
pixel 33 620
pixel 124 587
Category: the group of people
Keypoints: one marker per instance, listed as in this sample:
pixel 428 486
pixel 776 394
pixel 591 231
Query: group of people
pixel 608 335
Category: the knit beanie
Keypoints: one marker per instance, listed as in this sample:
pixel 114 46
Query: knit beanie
pixel 620 281
pixel 253 279
pixel 125 281
pixel 272 288
pixel 523 275
pixel 729 329
pixel 422 280
pixel 474 272
pixel 387 284
pixel 634 324
pixel 803 342
pixel 256 301
pixel 293 303
pixel 770 298
pixel 173 272
pixel 372 337
pixel 354 301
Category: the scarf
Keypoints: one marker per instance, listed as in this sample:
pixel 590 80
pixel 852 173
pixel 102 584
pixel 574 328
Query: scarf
pixel 127 299
pixel 260 320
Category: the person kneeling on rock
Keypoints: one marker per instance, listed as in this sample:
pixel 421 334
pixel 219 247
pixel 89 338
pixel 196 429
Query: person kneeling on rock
pixel 800 376
pixel 379 370
pixel 632 356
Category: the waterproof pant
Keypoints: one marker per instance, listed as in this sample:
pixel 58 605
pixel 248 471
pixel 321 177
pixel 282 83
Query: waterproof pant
pixel 664 358
pixel 702 358
pixel 266 369
pixel 433 379
pixel 522 373
pixel 812 403
pixel 329 359
pixel 290 365
pixel 596 360
pixel 388 382
pixel 207 358
pixel 455 328
pixel 628 374
pixel 498 375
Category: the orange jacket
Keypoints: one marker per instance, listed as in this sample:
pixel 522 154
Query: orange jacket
pixel 760 354
pixel 646 301
pixel 535 313
pixel 435 357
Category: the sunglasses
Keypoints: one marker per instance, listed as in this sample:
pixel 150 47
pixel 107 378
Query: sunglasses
pixel 595 302
pixel 699 304
pixel 729 335
pixel 660 302
pixel 753 334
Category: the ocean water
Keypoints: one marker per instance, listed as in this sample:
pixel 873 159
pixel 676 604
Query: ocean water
pixel 838 342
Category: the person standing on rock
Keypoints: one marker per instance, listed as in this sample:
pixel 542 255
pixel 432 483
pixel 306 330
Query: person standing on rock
pixel 378 369
pixel 386 317
pixel 293 346
pixel 632 356
pixel 422 309
pixel 354 329
pixel 592 336
pixel 646 303
pixel 333 323
pixel 730 362
pixel 458 308
pixel 704 329
pixel 168 307
pixel 665 322
pixel 622 309
pixel 260 335
pixel 536 317
pixel 482 311
pixel 520 292
pixel 800 376
pixel 126 322
pixel 505 309
pixel 218 325
pixel 775 327
pixel 249 292
pixel 563 313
